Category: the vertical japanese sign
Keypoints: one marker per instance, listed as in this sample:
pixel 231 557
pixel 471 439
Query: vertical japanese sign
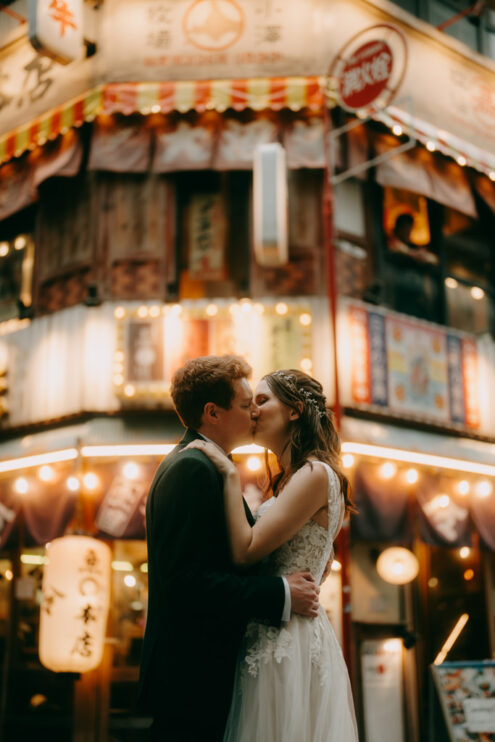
pixel 76 597
pixel 207 233
pixel 55 28
pixel 412 369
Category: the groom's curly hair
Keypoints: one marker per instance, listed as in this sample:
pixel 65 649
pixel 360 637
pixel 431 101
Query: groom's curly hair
pixel 206 379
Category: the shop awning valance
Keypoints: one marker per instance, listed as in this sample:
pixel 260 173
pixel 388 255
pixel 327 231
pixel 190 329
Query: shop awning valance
pixel 257 94
pixel 432 506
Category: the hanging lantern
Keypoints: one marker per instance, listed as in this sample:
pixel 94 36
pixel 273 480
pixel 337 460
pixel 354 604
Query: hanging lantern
pixel 76 596
pixel 397 565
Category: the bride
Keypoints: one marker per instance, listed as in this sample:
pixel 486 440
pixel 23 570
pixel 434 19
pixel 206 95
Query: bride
pixel 291 683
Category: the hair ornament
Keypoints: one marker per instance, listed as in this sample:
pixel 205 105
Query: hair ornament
pixel 307 396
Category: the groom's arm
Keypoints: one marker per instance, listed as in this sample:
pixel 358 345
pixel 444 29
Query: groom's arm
pixel 186 501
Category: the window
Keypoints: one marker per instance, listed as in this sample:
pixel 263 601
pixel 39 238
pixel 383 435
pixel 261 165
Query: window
pixel 355 275
pixel 437 263
pixel 16 264
pixel 455 587
pixel 410 260
pixel 470 269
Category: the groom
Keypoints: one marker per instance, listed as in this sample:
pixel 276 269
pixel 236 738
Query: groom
pixel 199 603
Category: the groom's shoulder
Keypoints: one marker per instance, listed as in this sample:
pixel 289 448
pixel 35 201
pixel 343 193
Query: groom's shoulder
pixel 186 462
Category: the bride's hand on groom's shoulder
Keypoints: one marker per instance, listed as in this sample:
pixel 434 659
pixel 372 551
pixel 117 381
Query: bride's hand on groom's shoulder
pixel 224 465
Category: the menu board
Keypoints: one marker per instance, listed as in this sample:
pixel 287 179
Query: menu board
pixel 466 691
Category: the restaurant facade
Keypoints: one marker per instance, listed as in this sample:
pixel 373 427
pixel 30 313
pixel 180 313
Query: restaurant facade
pixel 217 177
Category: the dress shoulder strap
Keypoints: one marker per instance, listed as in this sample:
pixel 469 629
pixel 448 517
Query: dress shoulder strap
pixel 335 501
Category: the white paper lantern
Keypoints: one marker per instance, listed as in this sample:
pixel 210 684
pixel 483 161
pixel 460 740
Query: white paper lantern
pixel 270 205
pixel 397 565
pixel 76 597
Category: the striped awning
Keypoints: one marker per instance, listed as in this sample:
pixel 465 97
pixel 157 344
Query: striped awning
pixel 274 93
pixel 294 93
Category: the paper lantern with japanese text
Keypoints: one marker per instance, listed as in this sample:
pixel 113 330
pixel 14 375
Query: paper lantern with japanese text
pixel 76 596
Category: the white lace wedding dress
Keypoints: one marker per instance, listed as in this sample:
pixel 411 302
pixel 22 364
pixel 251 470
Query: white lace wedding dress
pixel 291 684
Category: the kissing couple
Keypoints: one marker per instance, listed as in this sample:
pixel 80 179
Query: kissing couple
pixel 237 647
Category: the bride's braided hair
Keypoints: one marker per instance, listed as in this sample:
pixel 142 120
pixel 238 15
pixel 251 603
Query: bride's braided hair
pixel 313 433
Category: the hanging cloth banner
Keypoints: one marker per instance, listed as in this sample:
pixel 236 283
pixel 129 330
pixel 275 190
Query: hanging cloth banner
pixel 10 507
pixel 483 515
pixel 444 516
pixel 382 505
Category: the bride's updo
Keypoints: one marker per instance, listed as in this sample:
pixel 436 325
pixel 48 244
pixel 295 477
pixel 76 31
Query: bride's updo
pixel 313 434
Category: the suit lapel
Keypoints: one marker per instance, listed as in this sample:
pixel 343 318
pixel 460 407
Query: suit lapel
pixel 192 435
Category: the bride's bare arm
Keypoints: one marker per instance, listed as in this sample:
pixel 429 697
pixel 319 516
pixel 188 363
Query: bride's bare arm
pixel 302 497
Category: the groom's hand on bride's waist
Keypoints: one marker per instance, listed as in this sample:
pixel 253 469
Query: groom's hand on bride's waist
pixel 303 594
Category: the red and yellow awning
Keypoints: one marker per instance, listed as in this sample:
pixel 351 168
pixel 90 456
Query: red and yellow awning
pixel 273 93
pixel 294 93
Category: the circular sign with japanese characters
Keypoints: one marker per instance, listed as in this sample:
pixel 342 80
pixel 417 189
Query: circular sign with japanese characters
pixel 367 72
pixel 213 25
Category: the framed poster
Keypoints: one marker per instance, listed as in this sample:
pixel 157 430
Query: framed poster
pixel 466 691
pixel 409 368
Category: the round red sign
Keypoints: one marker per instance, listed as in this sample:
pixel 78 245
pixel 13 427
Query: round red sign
pixel 365 74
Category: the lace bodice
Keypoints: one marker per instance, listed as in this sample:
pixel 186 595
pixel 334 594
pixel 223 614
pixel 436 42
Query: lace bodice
pixel 308 550
pixel 312 546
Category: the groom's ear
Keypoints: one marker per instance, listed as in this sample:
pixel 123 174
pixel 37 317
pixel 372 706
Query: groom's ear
pixel 210 412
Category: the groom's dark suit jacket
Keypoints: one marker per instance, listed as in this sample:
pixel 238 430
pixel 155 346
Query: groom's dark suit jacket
pixel 199 603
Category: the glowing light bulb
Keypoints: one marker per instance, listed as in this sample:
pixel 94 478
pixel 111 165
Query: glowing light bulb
pixel 306 365
pixel 91 481
pixel 130 470
pixel 483 488
pixel 46 473
pixel 347 460
pixel 253 463
pixel 211 310
pixel 336 566
pixel 463 487
pixel 73 484
pixel 430 146
pixel 443 501
pixel 119 312
pixel 451 283
pixel 388 470
pixel 129 390
pixel 305 319
pixel 130 580
pixel 143 311
pixel 397 130
pixel 20 242
pixel 155 311
pixel 464 552
pixel 281 308
pixel 477 293
pixel 412 476
pixel 21 485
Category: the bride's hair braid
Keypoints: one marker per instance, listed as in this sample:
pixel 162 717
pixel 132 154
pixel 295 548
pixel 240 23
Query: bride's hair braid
pixel 313 433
